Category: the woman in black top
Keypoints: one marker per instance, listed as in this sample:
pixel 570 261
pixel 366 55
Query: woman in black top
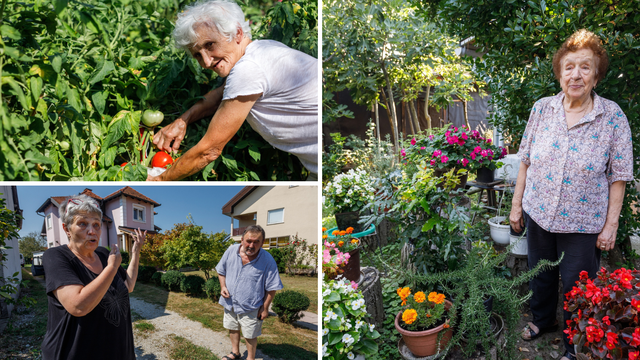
pixel 88 290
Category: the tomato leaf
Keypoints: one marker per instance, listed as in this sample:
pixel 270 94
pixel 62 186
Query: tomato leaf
pixel 17 90
pixel 254 154
pixel 56 63
pixel 104 68
pixel 99 101
pixel 116 130
pixel 35 85
pixel 37 158
pixel 73 98
pixel 108 157
pixel 10 32
pixel 230 163
pixel 61 5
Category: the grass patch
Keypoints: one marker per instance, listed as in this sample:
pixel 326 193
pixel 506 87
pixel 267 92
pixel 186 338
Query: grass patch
pixel 183 349
pixel 279 340
pixel 27 326
pixel 144 326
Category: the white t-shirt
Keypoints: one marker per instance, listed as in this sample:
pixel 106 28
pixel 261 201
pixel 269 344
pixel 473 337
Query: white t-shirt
pixel 286 115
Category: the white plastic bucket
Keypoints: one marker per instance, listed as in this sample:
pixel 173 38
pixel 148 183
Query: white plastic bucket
pixel 499 233
pixel 521 244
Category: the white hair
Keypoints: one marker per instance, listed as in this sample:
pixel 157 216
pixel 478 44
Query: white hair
pixel 223 15
pixel 76 205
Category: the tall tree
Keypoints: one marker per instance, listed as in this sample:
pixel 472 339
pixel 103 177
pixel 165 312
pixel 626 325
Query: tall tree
pixel 31 243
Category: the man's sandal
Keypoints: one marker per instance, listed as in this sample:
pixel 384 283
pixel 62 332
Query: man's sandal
pixel 234 357
pixel 533 334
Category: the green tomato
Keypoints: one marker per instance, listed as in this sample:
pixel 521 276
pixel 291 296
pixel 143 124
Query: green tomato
pixel 151 118
pixel 64 145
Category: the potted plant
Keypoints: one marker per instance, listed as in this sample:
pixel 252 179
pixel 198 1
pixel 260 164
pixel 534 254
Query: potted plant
pixel 344 244
pixel 345 333
pixel 499 224
pixel 348 194
pixel 604 321
pixel 422 321
pixel 453 147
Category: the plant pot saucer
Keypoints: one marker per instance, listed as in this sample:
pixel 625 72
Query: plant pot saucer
pixel 408 355
pixel 497 325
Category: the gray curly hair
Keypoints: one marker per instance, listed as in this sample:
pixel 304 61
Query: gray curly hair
pixel 76 205
pixel 223 15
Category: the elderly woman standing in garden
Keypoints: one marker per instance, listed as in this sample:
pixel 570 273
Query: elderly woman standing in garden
pixel 271 85
pixel 88 290
pixel 576 158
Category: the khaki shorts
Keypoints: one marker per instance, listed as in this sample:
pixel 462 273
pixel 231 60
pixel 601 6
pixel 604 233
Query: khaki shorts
pixel 248 322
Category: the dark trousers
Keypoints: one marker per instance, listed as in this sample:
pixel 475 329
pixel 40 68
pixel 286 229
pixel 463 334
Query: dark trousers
pixel 580 253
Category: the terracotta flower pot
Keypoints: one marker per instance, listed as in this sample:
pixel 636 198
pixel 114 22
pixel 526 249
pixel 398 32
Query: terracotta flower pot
pixel 351 271
pixel 425 343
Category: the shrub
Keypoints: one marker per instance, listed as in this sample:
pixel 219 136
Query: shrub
pixel 125 257
pixel 156 278
pixel 278 256
pixel 192 285
pixel 146 272
pixel 212 288
pixel 171 280
pixel 289 304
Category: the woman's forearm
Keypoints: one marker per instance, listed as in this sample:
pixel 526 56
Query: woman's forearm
pixel 132 271
pixel 521 183
pixel 616 197
pixel 80 300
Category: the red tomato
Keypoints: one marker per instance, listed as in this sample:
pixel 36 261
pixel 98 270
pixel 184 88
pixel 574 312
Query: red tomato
pixel 161 159
pixel 123 164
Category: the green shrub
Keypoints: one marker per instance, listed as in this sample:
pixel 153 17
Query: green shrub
pixel 145 273
pixel 192 285
pixel 125 257
pixel 289 305
pixel 278 256
pixel 171 280
pixel 156 278
pixel 212 288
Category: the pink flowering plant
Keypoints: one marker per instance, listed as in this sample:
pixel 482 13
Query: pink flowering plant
pixel 333 260
pixel 453 147
pixel 604 323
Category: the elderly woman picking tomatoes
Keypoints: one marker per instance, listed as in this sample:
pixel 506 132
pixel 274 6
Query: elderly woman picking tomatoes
pixel 576 155
pixel 87 289
pixel 267 83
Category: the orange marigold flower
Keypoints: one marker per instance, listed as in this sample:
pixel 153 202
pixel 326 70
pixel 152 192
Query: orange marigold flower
pixel 324 229
pixel 404 293
pixel 354 241
pixel 335 232
pixel 409 316
pixel 325 236
pixel 349 230
pixel 446 326
pixel 419 297
pixel 404 302
pixel 342 232
pixel 434 297
pixel 340 243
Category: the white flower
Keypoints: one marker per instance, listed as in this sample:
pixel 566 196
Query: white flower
pixel 326 292
pixel 351 356
pixel 348 339
pixel 359 324
pixel 371 327
pixel 330 316
pixel 324 350
pixel 347 325
pixel 357 304
pixel 325 331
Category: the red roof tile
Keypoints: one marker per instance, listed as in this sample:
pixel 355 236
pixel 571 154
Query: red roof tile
pixel 129 191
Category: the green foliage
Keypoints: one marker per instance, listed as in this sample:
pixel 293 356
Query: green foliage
pixel 278 255
pixel 156 278
pixel 145 273
pixel 9 229
pixel 31 243
pixel 289 305
pixel 193 247
pixel 212 288
pixel 79 75
pixel 125 257
pixel 192 285
pixel 172 279
pixel 294 24
pixel 520 40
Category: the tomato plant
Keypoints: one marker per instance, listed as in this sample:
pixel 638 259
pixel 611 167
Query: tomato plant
pixel 152 118
pixel 161 160
pixel 77 75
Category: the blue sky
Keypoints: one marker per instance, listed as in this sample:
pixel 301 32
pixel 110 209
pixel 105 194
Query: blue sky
pixel 204 203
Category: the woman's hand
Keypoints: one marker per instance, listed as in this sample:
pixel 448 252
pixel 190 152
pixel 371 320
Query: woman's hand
pixel 115 258
pixel 138 240
pixel 516 220
pixel 173 132
pixel 607 237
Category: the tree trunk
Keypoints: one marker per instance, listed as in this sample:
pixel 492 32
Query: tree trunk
pixel 392 104
pixel 377 121
pixel 386 101
pixel 409 117
pixel 414 112
pixel 466 113
pixel 426 107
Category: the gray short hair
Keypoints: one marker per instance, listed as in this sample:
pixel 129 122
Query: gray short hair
pixel 225 15
pixel 80 204
pixel 256 229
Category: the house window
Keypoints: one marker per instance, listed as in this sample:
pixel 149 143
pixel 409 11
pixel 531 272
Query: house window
pixel 49 222
pixel 275 216
pixel 138 213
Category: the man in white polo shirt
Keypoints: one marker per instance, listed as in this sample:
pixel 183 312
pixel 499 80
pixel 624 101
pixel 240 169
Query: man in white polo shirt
pixel 249 280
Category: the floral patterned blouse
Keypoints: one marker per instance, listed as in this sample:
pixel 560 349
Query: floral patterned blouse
pixel 571 170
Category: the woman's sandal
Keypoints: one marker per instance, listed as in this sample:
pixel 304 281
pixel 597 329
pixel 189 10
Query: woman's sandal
pixel 235 357
pixel 534 335
pixel 568 355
